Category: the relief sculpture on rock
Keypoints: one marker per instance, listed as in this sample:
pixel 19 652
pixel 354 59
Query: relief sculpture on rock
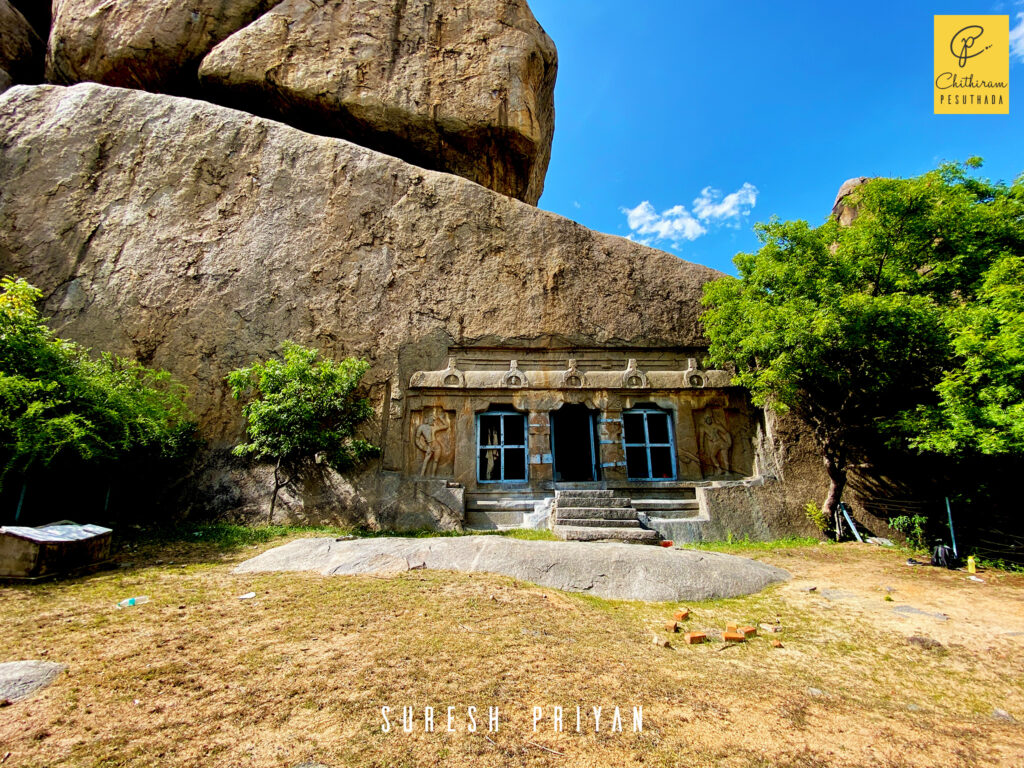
pixel 434 441
pixel 714 441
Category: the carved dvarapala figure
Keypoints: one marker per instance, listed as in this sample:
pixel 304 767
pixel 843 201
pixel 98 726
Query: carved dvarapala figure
pixel 430 439
pixel 716 442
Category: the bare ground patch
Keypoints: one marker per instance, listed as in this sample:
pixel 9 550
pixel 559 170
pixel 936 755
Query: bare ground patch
pixel 199 677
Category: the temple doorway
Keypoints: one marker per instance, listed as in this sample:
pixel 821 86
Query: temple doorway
pixel 574 447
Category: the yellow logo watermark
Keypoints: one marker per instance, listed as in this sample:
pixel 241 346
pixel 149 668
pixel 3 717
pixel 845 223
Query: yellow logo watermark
pixel 972 65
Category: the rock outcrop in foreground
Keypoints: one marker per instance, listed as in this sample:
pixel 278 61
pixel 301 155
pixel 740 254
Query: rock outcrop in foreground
pixel 613 571
pixel 464 88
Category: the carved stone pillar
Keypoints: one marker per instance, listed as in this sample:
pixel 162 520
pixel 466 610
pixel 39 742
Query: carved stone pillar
pixel 609 432
pixel 540 446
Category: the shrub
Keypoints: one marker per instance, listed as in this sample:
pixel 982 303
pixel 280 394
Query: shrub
pixel 301 410
pixel 59 404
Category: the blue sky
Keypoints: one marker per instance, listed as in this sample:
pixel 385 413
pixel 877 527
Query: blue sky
pixel 719 115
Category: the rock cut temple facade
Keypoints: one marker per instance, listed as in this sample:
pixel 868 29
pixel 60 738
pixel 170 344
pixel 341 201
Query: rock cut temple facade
pixel 521 364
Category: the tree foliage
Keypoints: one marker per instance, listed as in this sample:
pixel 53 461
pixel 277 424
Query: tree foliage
pixel 300 410
pixel 58 403
pixel 905 323
pixel 980 404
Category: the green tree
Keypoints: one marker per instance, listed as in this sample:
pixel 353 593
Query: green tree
pixel 854 328
pixel 980 405
pixel 301 411
pixel 58 403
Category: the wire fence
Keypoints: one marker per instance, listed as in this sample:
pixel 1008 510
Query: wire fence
pixel 991 533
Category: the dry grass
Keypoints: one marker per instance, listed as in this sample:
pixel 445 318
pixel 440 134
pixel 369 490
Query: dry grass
pixel 199 677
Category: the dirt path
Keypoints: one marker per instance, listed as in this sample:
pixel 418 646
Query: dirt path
pixel 856 579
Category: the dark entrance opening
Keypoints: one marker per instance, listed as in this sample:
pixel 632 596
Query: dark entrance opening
pixel 574 444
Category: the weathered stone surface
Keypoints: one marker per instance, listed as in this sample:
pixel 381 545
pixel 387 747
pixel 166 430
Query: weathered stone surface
pixel 615 571
pixel 155 45
pixel 198 238
pixel 845 213
pixel 21 49
pixel 466 88
pixel 19 679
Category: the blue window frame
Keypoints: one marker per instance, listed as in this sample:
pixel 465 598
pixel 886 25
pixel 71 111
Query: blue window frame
pixel 649 444
pixel 501 447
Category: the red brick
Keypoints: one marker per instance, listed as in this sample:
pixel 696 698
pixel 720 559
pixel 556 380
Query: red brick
pixel 776 643
pixel 734 637
pixel 749 631
pixel 693 638
pixel 681 615
pixel 671 626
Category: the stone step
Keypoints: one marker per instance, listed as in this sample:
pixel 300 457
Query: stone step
pixel 600 513
pixel 595 492
pixel 493 520
pixel 580 533
pixel 646 504
pixel 673 514
pixel 668 509
pixel 591 522
pixel 591 501
pixel 523 505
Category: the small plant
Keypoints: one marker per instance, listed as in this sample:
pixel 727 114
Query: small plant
pixel 817 516
pixel 911 526
pixel 302 411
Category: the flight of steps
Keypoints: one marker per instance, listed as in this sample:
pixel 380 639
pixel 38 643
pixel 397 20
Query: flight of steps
pixel 592 515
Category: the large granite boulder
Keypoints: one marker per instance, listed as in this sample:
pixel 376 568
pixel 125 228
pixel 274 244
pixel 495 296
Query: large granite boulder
pixel 466 88
pixel 21 49
pixel 155 45
pixel 462 88
pixel 197 238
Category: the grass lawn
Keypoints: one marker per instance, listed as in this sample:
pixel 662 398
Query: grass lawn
pixel 300 672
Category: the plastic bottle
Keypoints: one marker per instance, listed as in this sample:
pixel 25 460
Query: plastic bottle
pixel 130 601
pixel 971 568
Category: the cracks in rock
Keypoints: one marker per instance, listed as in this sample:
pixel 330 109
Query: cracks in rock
pixel 394 41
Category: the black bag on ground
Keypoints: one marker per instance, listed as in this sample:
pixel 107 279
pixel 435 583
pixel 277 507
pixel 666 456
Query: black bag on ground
pixel 943 557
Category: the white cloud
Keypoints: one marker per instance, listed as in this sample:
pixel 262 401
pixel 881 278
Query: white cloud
pixel 712 206
pixel 1017 38
pixel 676 224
